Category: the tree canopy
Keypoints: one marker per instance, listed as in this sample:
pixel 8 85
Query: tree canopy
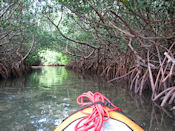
pixel 114 38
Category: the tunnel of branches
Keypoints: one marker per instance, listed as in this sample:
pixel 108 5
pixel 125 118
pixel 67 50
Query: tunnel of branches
pixel 117 39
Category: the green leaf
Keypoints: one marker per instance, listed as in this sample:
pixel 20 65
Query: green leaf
pixel 84 2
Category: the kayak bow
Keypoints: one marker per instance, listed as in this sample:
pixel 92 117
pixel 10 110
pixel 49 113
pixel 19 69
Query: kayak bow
pixel 97 115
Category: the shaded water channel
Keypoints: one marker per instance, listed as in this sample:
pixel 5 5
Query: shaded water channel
pixel 42 99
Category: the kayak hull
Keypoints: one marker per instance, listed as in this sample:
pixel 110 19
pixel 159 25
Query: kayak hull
pixel 117 121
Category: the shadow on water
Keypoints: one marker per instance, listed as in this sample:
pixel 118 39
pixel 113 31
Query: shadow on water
pixel 41 100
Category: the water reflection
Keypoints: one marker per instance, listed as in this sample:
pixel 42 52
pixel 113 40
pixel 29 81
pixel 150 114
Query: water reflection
pixel 49 77
pixel 41 100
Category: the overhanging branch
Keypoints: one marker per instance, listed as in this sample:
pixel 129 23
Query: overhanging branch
pixel 75 41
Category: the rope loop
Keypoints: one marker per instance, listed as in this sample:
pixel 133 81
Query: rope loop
pixel 95 119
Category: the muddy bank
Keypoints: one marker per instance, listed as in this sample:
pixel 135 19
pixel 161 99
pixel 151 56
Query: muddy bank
pixel 54 65
pixel 8 70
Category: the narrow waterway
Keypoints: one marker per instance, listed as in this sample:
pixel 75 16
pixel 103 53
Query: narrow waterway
pixel 42 99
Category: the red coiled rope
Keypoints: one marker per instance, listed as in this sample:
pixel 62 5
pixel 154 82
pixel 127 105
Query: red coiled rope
pixel 96 118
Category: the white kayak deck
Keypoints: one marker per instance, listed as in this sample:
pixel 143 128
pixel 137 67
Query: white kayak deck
pixel 110 125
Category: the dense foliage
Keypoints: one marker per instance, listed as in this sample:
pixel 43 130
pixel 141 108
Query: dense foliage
pixel 132 38
pixel 17 27
pixel 114 38
pixel 23 34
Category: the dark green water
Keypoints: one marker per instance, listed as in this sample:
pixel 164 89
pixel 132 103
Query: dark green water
pixel 41 100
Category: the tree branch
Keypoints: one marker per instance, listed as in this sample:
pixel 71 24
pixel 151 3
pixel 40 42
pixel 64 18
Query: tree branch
pixel 75 41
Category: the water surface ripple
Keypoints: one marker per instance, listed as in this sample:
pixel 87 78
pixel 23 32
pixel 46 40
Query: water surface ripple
pixel 42 99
